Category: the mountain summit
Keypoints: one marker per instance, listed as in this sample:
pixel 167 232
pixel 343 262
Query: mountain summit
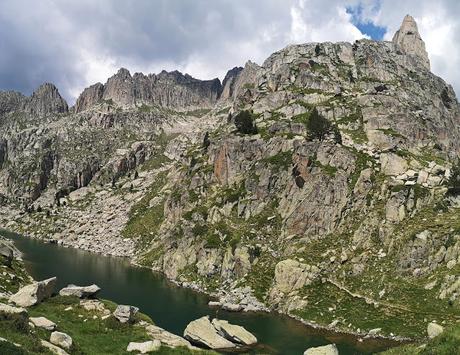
pixel 410 41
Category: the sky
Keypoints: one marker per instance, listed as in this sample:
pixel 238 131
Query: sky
pixel 76 43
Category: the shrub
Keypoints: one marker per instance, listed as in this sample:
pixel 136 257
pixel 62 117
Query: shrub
pixel 213 241
pixel 11 349
pixel 244 122
pixel 206 141
pixel 318 126
pixel 453 184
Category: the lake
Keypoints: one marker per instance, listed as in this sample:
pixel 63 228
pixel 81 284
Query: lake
pixel 172 307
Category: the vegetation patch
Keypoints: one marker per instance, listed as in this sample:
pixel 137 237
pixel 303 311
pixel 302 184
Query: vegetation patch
pixel 144 220
pixel 281 161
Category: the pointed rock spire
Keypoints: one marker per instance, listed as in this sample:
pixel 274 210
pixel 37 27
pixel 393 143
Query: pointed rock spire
pixel 408 38
pixel 46 100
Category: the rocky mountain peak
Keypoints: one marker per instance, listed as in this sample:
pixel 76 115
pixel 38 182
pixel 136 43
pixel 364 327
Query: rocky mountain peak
pixel 228 85
pixel 89 97
pixel 10 101
pixel 410 41
pixel 45 100
pixel 123 73
pixel 167 89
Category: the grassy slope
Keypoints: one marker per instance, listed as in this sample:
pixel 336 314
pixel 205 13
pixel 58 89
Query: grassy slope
pixel 448 343
pixel 90 333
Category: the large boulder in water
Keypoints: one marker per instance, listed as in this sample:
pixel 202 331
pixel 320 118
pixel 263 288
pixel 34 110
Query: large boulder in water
pixel 234 333
pixel 80 291
pixel 125 314
pixel 202 332
pixel 34 293
pixel 330 349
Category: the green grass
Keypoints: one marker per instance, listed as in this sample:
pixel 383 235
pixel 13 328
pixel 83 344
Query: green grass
pixel 281 161
pixel 448 343
pixel 144 220
pixel 93 336
pixel 362 162
pixel 90 335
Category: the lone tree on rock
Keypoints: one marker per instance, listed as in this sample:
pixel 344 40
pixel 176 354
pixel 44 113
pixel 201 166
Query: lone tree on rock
pixel 244 123
pixel 453 184
pixel 317 125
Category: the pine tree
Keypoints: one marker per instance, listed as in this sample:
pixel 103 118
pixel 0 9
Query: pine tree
pixel 318 126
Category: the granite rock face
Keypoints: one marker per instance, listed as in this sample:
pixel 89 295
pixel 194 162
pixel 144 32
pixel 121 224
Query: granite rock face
pixel 154 167
pixel 166 89
pixel 409 40
pixel 46 100
pixel 89 97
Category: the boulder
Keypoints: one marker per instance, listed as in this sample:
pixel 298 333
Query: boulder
pixel 53 348
pixel 232 307
pixel 330 349
pixel 6 253
pixel 62 340
pixel 145 347
pixel 234 333
pixel 42 322
pixel 34 293
pixel 202 332
pixel 125 314
pixel 393 164
pixel 166 337
pixel 10 312
pixel 434 330
pixel 80 291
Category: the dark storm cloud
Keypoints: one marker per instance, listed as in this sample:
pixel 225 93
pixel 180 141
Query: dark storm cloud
pixel 44 40
pixel 75 43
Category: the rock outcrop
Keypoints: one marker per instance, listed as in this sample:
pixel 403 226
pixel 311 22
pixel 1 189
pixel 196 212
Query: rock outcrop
pixel 34 293
pixel 234 333
pixel 330 349
pixel 19 313
pixel 229 83
pixel 218 334
pixel 202 332
pixel 62 340
pixel 166 89
pixel 42 322
pixel 125 313
pixel 434 329
pixel 89 97
pixel 46 100
pixel 409 40
pixel 145 347
pixel 53 348
pixel 80 291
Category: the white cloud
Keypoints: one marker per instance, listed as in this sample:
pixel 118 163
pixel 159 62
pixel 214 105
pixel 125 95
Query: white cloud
pixel 77 43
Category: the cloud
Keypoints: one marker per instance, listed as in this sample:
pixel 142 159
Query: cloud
pixel 75 43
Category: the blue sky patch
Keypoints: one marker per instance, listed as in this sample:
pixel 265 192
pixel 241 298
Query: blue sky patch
pixel 364 25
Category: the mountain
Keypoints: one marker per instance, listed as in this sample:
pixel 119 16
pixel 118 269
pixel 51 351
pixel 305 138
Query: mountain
pixel 317 184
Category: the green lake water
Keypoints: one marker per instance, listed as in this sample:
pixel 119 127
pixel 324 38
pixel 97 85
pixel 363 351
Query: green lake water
pixel 172 307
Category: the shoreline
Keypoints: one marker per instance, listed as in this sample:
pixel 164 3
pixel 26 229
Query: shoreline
pixel 360 337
